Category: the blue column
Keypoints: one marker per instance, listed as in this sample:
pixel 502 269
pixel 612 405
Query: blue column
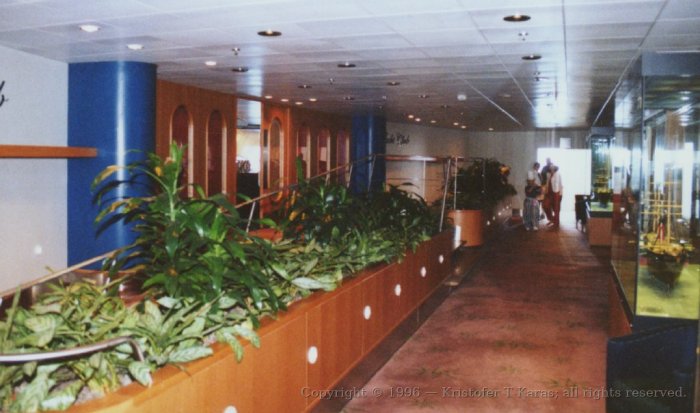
pixel 368 138
pixel 111 106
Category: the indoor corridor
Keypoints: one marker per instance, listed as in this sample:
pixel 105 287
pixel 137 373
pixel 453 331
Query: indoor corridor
pixel 524 332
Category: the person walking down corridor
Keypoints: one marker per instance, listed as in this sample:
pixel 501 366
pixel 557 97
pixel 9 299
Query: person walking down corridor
pixel 555 192
pixel 531 206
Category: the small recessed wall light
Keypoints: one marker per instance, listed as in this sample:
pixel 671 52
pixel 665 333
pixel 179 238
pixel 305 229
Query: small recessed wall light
pixel 89 28
pixel 517 17
pixel 239 69
pixel 134 46
pixel 346 64
pixel 210 63
pixel 531 57
pixel 269 33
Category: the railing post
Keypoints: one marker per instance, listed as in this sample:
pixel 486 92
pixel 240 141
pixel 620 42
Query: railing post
pixel 250 216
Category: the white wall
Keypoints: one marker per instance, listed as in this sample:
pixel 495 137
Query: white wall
pixel 33 192
pixel 515 149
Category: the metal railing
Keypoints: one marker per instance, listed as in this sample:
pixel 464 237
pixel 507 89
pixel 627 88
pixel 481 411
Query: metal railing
pixel 15 358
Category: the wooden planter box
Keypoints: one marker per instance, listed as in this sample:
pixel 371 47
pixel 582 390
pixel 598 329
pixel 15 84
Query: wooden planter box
pixel 339 328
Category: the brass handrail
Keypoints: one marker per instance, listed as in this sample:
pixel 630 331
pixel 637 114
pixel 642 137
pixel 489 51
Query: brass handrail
pixel 16 358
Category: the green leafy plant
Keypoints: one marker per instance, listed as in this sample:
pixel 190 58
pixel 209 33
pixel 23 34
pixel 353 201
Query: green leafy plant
pixel 185 247
pixel 481 185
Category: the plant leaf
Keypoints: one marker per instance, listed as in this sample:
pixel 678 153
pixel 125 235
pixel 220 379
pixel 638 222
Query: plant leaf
pixel 63 398
pixel 184 355
pixel 141 372
pixel 307 283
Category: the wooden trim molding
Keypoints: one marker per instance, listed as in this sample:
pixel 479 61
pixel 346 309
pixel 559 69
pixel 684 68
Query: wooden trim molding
pixel 39 151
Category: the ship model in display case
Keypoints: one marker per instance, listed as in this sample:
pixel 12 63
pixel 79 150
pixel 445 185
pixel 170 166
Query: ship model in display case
pixel 665 251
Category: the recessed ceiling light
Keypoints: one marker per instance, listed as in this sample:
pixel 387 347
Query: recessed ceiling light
pixel 304 86
pixel 417 119
pixel 134 46
pixel 313 100
pixel 410 116
pixel 210 63
pixel 331 80
pixel 506 95
pixel 531 57
pixel 463 126
pixel 89 28
pixel 298 103
pixel 235 50
pixel 490 129
pixel 456 123
pixel 285 100
pixel 349 98
pixel 517 17
pixel 240 69
pixel 423 96
pixel 268 96
pixel 346 64
pixel 393 83
pixel 444 106
pixel 433 121
pixel 269 33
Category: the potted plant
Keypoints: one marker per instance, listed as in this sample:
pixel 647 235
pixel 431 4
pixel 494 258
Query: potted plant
pixel 477 189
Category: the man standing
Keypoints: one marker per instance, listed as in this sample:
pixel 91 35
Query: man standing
pixel 534 174
pixel 555 192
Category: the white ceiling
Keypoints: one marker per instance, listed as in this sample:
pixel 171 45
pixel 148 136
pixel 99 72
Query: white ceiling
pixel 440 48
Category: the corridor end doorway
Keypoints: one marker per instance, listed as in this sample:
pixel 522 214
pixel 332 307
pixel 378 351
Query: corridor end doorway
pixel 575 169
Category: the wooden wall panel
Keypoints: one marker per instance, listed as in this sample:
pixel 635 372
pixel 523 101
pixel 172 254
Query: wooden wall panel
pixel 379 295
pixel 334 328
pixel 279 369
pixel 317 122
pixel 200 103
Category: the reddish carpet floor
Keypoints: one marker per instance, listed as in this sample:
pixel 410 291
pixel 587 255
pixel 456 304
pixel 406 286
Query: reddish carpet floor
pixel 525 332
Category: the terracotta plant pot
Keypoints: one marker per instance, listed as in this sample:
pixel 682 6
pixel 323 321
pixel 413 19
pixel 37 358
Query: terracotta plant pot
pixel 471 225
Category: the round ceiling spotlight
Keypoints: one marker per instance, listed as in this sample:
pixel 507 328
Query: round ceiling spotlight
pixel 239 69
pixel 393 83
pixel 134 46
pixel 423 96
pixel 345 65
pixel 517 17
pixel 89 28
pixel 269 33
pixel 304 86
pixel 349 98
pixel 210 63
pixel 313 99
pixel 532 57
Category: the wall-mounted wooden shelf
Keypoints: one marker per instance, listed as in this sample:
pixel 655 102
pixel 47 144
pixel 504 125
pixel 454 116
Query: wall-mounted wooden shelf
pixel 38 151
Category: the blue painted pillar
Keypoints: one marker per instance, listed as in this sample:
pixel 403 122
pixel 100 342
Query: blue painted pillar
pixel 111 106
pixel 368 137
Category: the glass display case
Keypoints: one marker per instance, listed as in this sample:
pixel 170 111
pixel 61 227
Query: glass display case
pixel 655 165
pixel 601 171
